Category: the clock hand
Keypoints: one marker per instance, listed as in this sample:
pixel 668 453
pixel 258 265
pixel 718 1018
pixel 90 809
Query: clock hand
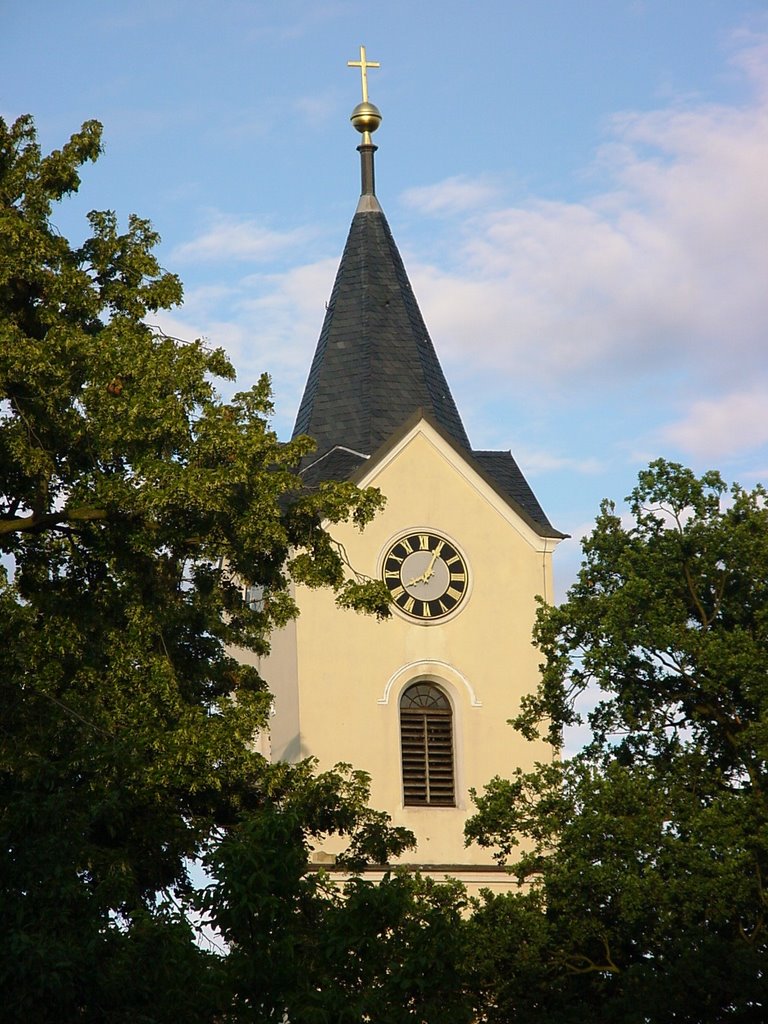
pixel 417 579
pixel 428 572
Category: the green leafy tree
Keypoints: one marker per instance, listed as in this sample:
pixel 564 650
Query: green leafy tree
pixel 133 501
pixel 647 853
pixel 305 946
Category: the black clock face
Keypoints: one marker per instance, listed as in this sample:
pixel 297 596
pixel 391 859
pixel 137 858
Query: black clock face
pixel 426 575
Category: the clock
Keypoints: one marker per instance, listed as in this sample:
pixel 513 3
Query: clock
pixel 426 575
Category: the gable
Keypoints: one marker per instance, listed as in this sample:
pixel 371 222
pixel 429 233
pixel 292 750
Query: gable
pixel 422 472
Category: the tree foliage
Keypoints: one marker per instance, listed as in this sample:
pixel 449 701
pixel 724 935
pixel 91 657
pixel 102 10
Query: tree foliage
pixel 647 852
pixel 391 951
pixel 133 501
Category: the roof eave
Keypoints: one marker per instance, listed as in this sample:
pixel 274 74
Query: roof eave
pixel 542 529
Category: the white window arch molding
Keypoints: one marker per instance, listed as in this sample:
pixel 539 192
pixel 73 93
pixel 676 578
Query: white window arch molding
pixel 438 672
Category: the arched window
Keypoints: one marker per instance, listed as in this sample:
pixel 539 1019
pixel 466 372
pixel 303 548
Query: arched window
pixel 426 740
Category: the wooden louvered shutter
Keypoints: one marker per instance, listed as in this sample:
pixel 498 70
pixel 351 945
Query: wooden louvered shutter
pixel 426 737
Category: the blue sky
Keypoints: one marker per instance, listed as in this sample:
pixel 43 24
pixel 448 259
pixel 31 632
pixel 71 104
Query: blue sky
pixel 579 189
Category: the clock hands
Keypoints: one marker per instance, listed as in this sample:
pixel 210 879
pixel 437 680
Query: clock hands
pixel 429 571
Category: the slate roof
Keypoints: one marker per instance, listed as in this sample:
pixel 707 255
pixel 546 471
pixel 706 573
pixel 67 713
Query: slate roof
pixel 375 362
pixel 336 464
pixel 505 475
pixel 375 367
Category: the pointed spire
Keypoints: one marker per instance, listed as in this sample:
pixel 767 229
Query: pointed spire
pixel 375 364
pixel 375 367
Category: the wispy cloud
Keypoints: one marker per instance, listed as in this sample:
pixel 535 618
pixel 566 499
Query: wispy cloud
pixel 316 110
pixel 723 426
pixel 230 239
pixel 265 322
pixel 661 270
pixel 538 461
pixel 453 195
pixel 659 277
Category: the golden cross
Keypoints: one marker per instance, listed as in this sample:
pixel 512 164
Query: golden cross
pixel 363 64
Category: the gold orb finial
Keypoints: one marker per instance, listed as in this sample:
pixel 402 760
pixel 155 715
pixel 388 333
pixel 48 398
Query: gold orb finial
pixel 365 117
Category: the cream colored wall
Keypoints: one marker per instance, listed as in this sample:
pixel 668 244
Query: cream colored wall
pixel 337 675
pixel 283 679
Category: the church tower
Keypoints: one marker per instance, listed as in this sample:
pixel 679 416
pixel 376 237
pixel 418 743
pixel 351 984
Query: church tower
pixel 420 701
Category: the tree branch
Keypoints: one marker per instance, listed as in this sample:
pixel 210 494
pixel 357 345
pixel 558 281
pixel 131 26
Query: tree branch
pixel 705 620
pixel 48 520
pixel 581 964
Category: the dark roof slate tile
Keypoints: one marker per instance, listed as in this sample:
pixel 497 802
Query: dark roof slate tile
pixel 374 363
pixel 336 464
pixel 375 371
pixel 506 474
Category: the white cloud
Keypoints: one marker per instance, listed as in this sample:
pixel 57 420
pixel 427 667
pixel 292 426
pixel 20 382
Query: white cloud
pixel 536 461
pixel 723 426
pixel 663 269
pixel 453 195
pixel 264 323
pixel 285 318
pixel 229 238
pixel 316 110
pixel 659 276
pixel 175 326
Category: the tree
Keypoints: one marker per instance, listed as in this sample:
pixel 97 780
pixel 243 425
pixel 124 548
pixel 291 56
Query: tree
pixel 647 861
pixel 305 946
pixel 133 502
